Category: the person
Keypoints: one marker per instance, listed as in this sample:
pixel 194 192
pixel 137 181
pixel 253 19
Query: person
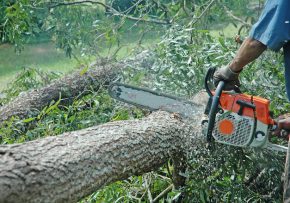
pixel 271 31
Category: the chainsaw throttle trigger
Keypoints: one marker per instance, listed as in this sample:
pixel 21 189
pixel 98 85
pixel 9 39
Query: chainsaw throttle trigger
pixel 244 104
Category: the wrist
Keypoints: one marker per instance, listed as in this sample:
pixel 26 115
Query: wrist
pixel 234 69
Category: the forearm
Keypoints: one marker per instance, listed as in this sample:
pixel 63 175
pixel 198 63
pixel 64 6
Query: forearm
pixel 249 51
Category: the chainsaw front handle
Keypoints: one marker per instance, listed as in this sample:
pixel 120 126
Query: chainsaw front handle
pixel 214 109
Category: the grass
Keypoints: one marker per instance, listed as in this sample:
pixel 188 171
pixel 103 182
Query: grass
pixel 229 31
pixel 46 57
pixel 43 56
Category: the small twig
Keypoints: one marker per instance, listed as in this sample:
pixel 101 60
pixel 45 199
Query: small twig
pixel 139 42
pixel 199 17
pixel 147 185
pixel 130 8
pixel 111 9
pixel 235 17
pixel 164 177
pixel 57 4
pixel 142 19
pixel 186 10
pixel 203 13
pixel 162 194
pixel 168 171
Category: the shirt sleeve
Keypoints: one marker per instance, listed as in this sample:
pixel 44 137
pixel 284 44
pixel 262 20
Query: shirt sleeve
pixel 273 27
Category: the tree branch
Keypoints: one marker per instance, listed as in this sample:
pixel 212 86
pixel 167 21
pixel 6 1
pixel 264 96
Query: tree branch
pixel 75 84
pixel 57 4
pixel 112 10
pixel 203 13
pixel 32 102
pixel 163 193
pixel 230 14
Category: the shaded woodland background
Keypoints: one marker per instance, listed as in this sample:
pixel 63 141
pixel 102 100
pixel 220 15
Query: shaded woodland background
pixel 165 45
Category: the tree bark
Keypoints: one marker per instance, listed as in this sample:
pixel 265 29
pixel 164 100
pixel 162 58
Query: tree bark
pixel 70 166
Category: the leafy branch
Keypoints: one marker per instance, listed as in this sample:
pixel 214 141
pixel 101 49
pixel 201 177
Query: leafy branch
pixel 113 11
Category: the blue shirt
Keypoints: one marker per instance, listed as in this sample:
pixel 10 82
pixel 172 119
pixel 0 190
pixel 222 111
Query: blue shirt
pixel 273 30
pixel 273 26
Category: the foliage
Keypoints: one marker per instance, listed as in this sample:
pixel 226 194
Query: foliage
pixel 180 66
pixel 133 189
pixel 28 78
pixel 87 26
pixel 75 26
pixel 222 174
pixel 56 118
pixel 17 19
pixel 231 174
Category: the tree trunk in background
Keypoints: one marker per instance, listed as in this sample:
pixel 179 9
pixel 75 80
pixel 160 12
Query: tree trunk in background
pixel 68 87
pixel 73 165
pixel 73 85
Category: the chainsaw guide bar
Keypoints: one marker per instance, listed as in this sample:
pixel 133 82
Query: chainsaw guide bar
pixel 146 98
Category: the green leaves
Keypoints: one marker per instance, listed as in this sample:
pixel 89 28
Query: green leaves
pixel 184 55
pixel 28 78
pixel 17 20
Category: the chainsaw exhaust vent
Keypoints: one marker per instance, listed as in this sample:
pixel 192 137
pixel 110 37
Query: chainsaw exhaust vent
pixel 233 129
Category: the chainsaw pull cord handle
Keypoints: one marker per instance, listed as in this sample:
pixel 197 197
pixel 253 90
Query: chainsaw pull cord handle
pixel 214 109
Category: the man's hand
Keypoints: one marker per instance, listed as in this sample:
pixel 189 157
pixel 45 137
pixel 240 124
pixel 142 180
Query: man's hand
pixel 283 126
pixel 231 78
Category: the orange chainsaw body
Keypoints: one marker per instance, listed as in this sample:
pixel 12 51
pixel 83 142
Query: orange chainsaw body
pixel 245 120
pixel 229 102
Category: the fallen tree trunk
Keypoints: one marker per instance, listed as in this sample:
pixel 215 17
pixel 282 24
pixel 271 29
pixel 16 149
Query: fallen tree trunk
pixel 70 166
pixel 66 88
pixel 78 83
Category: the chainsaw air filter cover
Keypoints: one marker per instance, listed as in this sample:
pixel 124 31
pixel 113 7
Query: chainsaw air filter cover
pixel 236 130
pixel 244 121
pixel 233 129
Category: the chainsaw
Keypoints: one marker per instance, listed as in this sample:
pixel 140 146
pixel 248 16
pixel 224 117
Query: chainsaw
pixel 232 118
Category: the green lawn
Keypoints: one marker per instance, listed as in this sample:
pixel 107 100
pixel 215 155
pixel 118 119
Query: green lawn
pixel 46 57
pixel 43 56
pixel 229 31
